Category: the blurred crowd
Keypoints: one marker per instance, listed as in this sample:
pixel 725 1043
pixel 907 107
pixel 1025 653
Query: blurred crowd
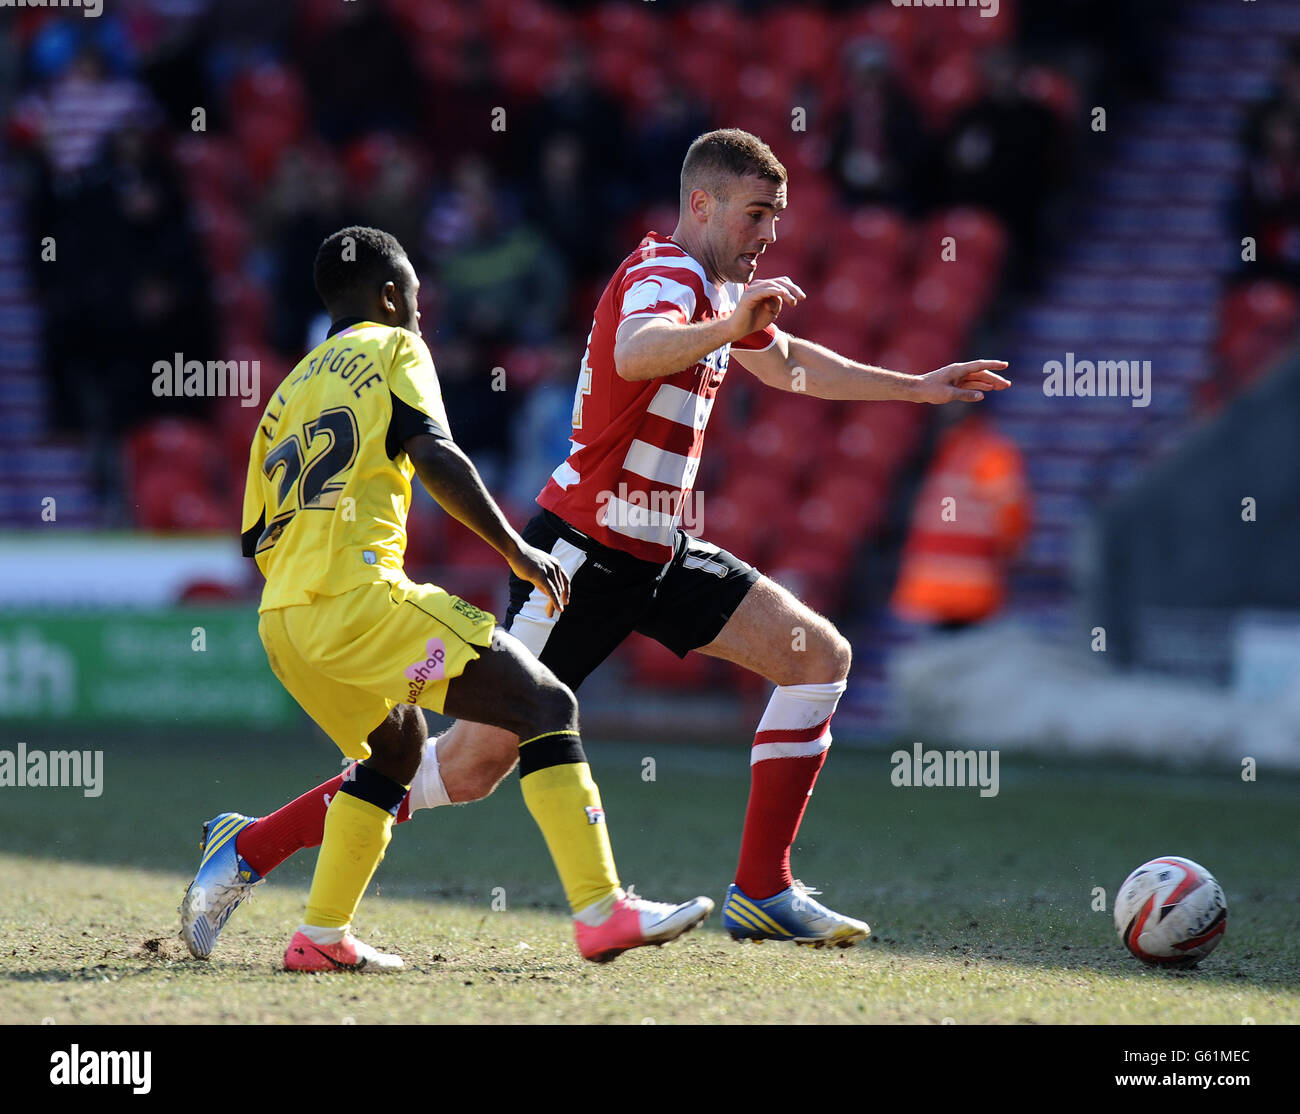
pixel 189 157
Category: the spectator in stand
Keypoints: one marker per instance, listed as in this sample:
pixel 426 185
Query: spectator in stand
pixel 360 73
pixel 1270 199
pixel 877 139
pixel 305 202
pixel 500 280
pixel 1003 153
pixel 969 521
pixel 1284 101
pixel 575 105
pixel 82 107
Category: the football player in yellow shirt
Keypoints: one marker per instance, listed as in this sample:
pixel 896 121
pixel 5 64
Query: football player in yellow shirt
pixel 362 648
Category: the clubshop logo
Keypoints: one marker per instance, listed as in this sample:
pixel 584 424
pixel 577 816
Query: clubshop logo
pixel 182 378
pixel 625 510
pixel 1129 379
pixel 945 769
pixel 432 668
pixel 52 769
pixel 90 9
pixel 112 1069
pixel 988 8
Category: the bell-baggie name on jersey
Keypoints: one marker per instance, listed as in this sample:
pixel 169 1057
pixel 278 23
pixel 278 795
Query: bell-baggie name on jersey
pixel 329 487
pixel 629 480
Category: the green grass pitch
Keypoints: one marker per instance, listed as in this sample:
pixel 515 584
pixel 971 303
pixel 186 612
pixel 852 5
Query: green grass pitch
pixel 982 909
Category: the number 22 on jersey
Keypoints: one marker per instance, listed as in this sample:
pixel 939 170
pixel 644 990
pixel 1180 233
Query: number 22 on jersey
pixel 309 477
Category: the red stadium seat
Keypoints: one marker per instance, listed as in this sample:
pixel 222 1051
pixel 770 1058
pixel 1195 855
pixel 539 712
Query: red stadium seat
pixel 879 234
pixel 268 88
pixel 707 68
pixel 893 26
pixel 164 500
pixel 211 166
pixel 947 297
pixel 862 289
pixel 223 229
pixel 1052 89
pixel 263 138
pixel 530 23
pixel 525 68
pixel 714 21
pixel 1257 323
pixel 798 40
pixel 654 666
pixel 620 26
pixel 944 87
pixel 977 237
pixel 815 575
pixel 915 352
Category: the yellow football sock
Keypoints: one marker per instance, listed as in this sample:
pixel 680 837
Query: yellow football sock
pixel 565 803
pixel 356 835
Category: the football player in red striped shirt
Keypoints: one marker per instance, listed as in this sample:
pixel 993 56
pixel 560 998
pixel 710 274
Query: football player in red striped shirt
pixel 664 332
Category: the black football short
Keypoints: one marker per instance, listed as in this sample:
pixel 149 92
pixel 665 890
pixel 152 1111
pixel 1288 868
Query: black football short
pixel 682 605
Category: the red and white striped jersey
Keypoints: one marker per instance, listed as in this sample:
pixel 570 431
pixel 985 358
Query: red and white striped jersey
pixel 636 446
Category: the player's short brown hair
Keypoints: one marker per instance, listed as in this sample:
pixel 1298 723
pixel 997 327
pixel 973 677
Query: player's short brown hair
pixel 717 156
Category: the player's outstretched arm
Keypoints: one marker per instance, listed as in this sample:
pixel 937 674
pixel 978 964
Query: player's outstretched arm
pixel 798 365
pixel 453 481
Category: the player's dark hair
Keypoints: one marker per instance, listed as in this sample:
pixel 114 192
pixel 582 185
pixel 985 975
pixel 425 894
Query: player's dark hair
pixel 717 156
pixel 354 262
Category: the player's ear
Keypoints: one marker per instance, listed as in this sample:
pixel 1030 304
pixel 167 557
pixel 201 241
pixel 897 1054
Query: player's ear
pixel 390 298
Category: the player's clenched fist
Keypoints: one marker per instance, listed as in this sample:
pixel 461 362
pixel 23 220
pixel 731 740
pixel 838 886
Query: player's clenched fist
pixel 544 572
pixel 762 302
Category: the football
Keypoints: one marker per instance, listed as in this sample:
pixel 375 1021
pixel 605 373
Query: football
pixel 1170 912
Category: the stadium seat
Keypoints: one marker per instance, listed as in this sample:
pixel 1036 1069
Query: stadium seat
pixel 947 297
pixel 798 40
pixel 1257 323
pixel 163 500
pixel 654 666
pixel 861 289
pixel 223 228
pixel 914 352
pixel 944 87
pixel 210 165
pixel 1052 89
pixel 714 21
pixel 268 88
pixel 890 25
pixel 525 68
pixel 815 575
pixel 615 25
pixel 879 234
pixel 977 237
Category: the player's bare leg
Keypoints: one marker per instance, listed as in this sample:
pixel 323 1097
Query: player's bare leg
pixel 778 637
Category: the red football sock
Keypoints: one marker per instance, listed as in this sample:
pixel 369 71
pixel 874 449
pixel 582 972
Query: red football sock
pixel 788 753
pixel 778 795
pixel 267 842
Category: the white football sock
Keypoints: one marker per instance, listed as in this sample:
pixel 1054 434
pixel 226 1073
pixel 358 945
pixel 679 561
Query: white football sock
pixel 427 789
pixel 318 935
pixel 794 709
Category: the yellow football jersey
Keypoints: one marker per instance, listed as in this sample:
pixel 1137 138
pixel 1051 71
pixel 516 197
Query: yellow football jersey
pixel 329 487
